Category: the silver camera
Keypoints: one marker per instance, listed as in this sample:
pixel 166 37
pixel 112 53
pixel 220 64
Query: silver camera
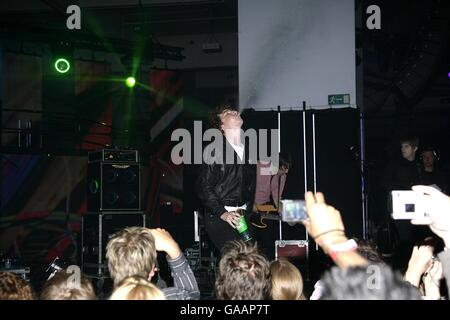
pixel 407 205
pixel 293 210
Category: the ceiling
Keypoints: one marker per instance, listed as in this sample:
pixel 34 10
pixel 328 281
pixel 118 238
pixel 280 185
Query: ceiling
pixel 409 29
pixel 169 17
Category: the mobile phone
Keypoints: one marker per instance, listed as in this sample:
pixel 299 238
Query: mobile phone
pixel 407 205
pixel 293 210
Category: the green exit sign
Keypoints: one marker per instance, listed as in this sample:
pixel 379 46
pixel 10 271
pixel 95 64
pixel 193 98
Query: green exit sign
pixel 338 99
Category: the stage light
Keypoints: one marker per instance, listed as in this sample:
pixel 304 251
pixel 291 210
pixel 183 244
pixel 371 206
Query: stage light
pixel 62 65
pixel 130 82
pixel 448 75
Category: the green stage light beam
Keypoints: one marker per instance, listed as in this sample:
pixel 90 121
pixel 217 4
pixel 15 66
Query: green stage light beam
pixel 62 65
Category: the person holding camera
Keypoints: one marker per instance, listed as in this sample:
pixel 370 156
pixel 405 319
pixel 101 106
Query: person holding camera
pixel 353 274
pixel 437 207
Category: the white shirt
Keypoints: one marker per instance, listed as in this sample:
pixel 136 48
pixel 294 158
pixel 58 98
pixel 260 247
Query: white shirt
pixel 239 150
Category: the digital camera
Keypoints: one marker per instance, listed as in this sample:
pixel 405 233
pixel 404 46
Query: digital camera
pixel 407 205
pixel 293 210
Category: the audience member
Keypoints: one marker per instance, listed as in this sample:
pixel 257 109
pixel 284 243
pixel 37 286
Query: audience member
pixel 13 287
pixel 68 286
pixel 287 281
pixel 132 252
pixel 243 273
pixel 437 207
pixel 136 288
pixel 373 282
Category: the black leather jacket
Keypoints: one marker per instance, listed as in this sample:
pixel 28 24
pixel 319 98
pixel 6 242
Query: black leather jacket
pixel 220 184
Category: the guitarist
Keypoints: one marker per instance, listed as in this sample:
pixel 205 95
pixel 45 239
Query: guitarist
pixel 269 190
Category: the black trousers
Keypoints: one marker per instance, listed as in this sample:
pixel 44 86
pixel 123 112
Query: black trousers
pixel 266 237
pixel 220 232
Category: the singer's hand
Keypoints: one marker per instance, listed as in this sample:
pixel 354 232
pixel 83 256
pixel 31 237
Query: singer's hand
pixel 232 218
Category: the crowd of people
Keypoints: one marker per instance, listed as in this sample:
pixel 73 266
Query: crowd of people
pixel 244 273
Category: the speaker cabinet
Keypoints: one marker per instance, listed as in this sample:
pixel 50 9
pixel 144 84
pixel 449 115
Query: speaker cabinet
pixel 114 186
pixel 96 230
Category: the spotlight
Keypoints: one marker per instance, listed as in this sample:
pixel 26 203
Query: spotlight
pixel 62 65
pixel 130 82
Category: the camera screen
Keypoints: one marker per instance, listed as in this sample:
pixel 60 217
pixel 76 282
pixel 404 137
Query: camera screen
pixel 410 207
pixel 293 210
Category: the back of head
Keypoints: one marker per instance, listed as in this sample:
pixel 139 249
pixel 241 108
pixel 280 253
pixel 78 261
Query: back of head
pixel 13 287
pixel 368 250
pixel 137 288
pixel 374 282
pixel 287 281
pixel 131 252
pixel 68 286
pixel 243 274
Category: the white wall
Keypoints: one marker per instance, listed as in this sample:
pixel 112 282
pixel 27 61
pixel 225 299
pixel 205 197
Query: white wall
pixel 295 50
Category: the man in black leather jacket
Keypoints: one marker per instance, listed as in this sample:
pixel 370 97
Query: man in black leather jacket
pixel 402 174
pixel 224 186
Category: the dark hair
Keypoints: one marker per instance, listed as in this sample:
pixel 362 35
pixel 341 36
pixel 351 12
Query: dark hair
pixel 214 116
pixel 13 287
pixel 243 274
pixel 413 141
pixel 285 159
pixel 367 283
pixel 430 149
pixel 368 250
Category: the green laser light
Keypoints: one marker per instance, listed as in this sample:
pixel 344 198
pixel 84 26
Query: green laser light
pixel 62 65
pixel 130 82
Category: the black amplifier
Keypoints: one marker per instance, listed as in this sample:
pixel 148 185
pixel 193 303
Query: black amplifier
pixel 96 230
pixel 113 155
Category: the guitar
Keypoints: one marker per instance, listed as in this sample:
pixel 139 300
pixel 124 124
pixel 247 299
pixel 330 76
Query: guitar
pixel 264 211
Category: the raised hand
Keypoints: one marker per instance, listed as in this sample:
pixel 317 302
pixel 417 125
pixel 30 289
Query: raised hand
pixel 437 206
pixel 325 223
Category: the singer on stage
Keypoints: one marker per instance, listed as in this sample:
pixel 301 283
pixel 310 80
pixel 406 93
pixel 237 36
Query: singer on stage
pixel 226 189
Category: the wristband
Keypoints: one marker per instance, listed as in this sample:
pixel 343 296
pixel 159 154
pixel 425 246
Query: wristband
pixel 336 249
pixel 327 232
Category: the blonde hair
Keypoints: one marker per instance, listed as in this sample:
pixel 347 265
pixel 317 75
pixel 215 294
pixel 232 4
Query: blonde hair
pixel 131 252
pixel 137 288
pixel 287 281
pixel 13 287
pixel 60 287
